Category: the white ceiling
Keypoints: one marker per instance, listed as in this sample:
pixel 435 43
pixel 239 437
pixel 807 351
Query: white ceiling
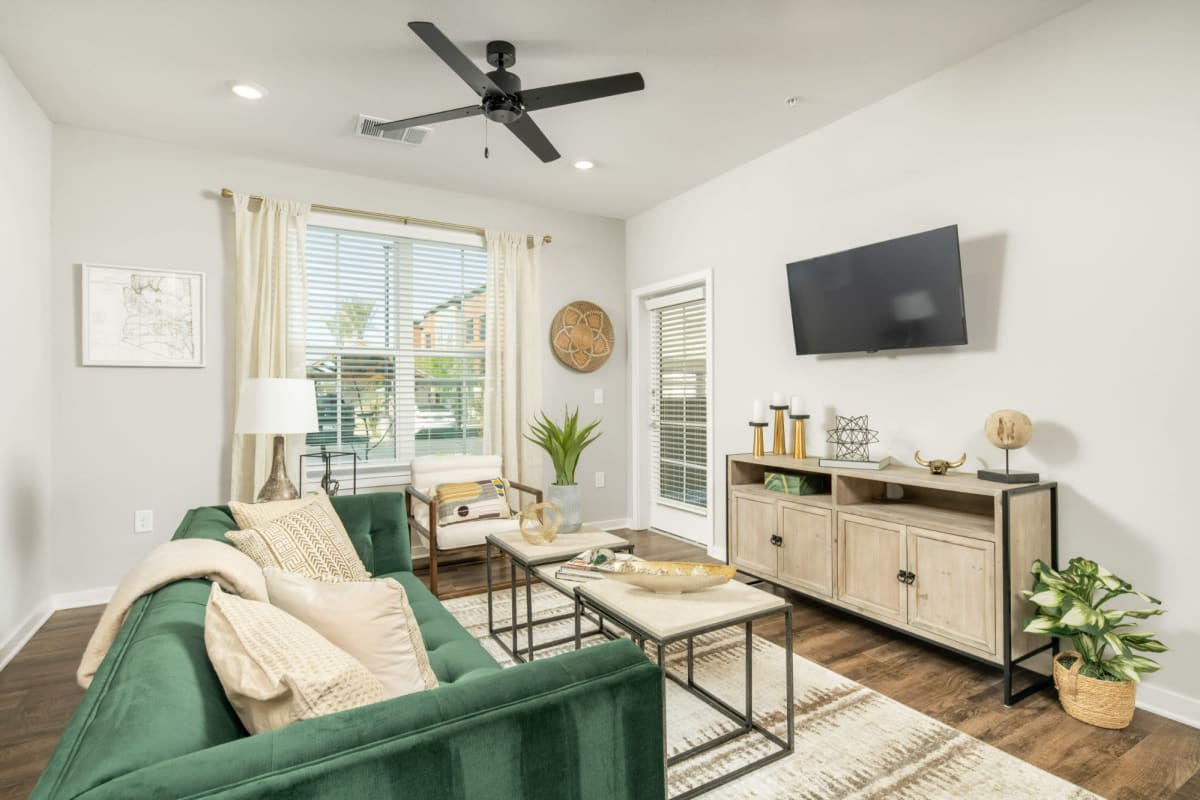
pixel 717 75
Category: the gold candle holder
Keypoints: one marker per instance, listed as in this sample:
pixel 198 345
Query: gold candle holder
pixel 779 445
pixel 799 438
pixel 758 438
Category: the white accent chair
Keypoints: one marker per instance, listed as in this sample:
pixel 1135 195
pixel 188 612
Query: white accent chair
pixel 461 538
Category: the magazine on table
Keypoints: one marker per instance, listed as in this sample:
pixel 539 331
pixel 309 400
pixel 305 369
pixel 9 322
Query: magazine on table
pixel 590 565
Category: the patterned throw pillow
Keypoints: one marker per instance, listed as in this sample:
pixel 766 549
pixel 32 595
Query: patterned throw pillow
pixel 275 669
pixel 309 540
pixel 461 502
pixel 371 620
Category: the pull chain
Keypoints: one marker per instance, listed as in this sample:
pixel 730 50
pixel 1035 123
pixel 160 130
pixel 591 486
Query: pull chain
pixel 485 137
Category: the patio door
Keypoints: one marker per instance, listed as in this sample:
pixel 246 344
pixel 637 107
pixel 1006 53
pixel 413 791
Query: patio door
pixel 678 414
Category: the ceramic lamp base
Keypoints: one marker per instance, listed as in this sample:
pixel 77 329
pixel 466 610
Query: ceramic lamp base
pixel 278 485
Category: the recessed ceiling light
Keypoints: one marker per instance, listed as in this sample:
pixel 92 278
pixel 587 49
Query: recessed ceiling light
pixel 584 165
pixel 247 90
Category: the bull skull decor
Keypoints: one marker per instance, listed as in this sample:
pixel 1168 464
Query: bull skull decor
pixel 940 466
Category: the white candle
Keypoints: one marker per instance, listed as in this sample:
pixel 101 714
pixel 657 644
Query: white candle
pixel 757 412
pixel 797 405
pixel 776 398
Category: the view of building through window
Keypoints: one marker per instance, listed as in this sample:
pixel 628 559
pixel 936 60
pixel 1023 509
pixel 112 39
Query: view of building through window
pixel 394 338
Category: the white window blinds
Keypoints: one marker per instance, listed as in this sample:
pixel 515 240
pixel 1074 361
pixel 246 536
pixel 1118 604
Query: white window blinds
pixel 679 407
pixel 394 339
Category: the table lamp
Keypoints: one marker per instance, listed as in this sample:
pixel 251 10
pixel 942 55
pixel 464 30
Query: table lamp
pixel 277 406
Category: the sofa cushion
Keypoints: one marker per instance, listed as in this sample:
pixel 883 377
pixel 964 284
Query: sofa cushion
pixel 309 540
pixel 376 523
pixel 370 620
pixel 276 670
pixel 470 534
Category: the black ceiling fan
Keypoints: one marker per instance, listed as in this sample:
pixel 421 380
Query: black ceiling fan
pixel 501 97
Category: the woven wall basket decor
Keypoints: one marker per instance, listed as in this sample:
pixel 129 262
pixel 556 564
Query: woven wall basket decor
pixel 581 336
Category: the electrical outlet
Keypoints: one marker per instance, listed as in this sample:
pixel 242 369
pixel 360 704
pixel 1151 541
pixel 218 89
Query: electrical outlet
pixel 143 521
pixel 598 396
pixel 599 480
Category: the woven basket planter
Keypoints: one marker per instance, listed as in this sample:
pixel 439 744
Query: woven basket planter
pixel 1105 704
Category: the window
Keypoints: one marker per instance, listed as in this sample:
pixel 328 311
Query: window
pixel 679 415
pixel 386 342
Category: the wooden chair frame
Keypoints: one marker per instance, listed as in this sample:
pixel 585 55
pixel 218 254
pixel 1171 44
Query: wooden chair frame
pixel 413 495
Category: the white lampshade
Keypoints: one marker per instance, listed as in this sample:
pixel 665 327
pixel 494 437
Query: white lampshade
pixel 277 405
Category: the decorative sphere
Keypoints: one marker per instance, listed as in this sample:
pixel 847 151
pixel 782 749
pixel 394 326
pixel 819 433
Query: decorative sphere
pixel 1008 429
pixel 540 522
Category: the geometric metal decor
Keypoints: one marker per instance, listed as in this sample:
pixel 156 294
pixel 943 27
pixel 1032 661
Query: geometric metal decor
pixel 853 438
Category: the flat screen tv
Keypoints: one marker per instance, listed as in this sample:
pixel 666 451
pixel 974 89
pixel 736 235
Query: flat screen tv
pixel 901 293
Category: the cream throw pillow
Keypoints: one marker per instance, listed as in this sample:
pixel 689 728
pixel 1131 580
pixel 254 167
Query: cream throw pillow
pixel 275 669
pixel 251 515
pixel 370 620
pixel 309 539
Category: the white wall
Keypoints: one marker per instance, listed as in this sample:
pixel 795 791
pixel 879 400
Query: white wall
pixel 127 439
pixel 1069 158
pixel 25 425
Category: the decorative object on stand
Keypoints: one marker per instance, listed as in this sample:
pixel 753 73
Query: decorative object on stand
pixel 671 577
pixel 540 523
pixel 330 484
pixel 581 336
pixel 758 421
pixel 799 434
pixel 939 466
pixel 779 443
pixel 277 406
pixel 1008 430
pixel 1094 686
pixel 564 444
pixel 853 438
pixel 141 317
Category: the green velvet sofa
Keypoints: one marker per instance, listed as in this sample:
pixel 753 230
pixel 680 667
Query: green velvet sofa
pixel 155 722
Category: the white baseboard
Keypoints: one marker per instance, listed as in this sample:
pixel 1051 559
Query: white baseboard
pixel 85 597
pixel 25 631
pixel 608 524
pixel 1169 704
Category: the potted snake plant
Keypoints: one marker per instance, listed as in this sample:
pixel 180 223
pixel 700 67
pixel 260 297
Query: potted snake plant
pixel 1097 680
pixel 564 443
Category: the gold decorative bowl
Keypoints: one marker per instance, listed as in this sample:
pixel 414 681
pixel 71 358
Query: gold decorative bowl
pixel 671 577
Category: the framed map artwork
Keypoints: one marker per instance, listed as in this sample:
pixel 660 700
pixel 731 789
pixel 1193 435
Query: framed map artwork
pixel 142 317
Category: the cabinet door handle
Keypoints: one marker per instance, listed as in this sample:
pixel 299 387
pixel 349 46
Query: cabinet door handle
pixel 909 577
pixel 901 575
pixel 777 540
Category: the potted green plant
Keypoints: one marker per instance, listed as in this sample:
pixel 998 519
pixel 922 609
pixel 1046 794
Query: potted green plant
pixel 1097 680
pixel 564 443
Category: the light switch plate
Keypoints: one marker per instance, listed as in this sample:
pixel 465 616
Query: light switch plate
pixel 598 396
pixel 143 521
pixel 599 480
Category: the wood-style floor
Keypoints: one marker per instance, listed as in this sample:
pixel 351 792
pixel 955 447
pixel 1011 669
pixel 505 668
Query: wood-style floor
pixel 1152 758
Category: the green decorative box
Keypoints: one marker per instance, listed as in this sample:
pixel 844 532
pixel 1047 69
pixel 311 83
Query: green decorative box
pixel 787 483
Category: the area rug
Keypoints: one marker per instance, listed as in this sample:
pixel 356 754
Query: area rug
pixel 851 742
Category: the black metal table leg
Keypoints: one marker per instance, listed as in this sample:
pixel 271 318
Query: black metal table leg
pixel 512 594
pixel 749 674
pixel 791 689
pixel 529 610
pixel 488 561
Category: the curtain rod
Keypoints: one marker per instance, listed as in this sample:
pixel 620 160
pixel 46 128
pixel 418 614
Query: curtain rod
pixel 354 212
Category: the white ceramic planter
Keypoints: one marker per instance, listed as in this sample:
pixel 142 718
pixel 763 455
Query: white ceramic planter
pixel 569 500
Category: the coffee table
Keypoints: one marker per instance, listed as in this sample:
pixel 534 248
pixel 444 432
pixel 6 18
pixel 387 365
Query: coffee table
pixel 529 556
pixel 665 619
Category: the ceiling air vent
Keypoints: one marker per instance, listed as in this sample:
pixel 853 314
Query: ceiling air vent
pixel 368 127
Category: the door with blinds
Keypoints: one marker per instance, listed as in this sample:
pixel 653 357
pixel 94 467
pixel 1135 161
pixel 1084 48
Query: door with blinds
pixel 678 415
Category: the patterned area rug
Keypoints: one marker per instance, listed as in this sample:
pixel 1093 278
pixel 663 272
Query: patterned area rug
pixel 851 742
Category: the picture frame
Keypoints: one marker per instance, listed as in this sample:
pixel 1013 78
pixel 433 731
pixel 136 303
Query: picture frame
pixel 140 317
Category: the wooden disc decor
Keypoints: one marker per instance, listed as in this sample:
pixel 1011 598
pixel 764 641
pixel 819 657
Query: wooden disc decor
pixel 581 335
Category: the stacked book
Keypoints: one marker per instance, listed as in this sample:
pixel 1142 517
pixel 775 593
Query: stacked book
pixel 580 568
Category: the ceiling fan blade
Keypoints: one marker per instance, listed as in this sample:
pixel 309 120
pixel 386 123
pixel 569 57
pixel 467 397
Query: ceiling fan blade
pixel 532 137
pixel 454 58
pixel 429 119
pixel 561 94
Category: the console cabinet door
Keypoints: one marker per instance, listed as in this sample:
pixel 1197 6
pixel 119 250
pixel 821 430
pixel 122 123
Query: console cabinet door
pixel 753 527
pixel 806 556
pixel 869 555
pixel 953 595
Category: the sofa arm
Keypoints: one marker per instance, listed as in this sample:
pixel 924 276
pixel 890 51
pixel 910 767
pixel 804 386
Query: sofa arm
pixel 586 725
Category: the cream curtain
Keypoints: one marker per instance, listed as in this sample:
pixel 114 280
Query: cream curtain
pixel 270 275
pixel 512 392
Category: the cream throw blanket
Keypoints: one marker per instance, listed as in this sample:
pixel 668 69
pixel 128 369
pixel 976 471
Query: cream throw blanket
pixel 172 561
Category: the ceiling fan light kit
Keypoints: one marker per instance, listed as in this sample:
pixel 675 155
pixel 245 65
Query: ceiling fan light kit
pixel 501 98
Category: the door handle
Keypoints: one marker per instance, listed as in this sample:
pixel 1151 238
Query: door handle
pixel 900 576
pixel 777 540
pixel 909 577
